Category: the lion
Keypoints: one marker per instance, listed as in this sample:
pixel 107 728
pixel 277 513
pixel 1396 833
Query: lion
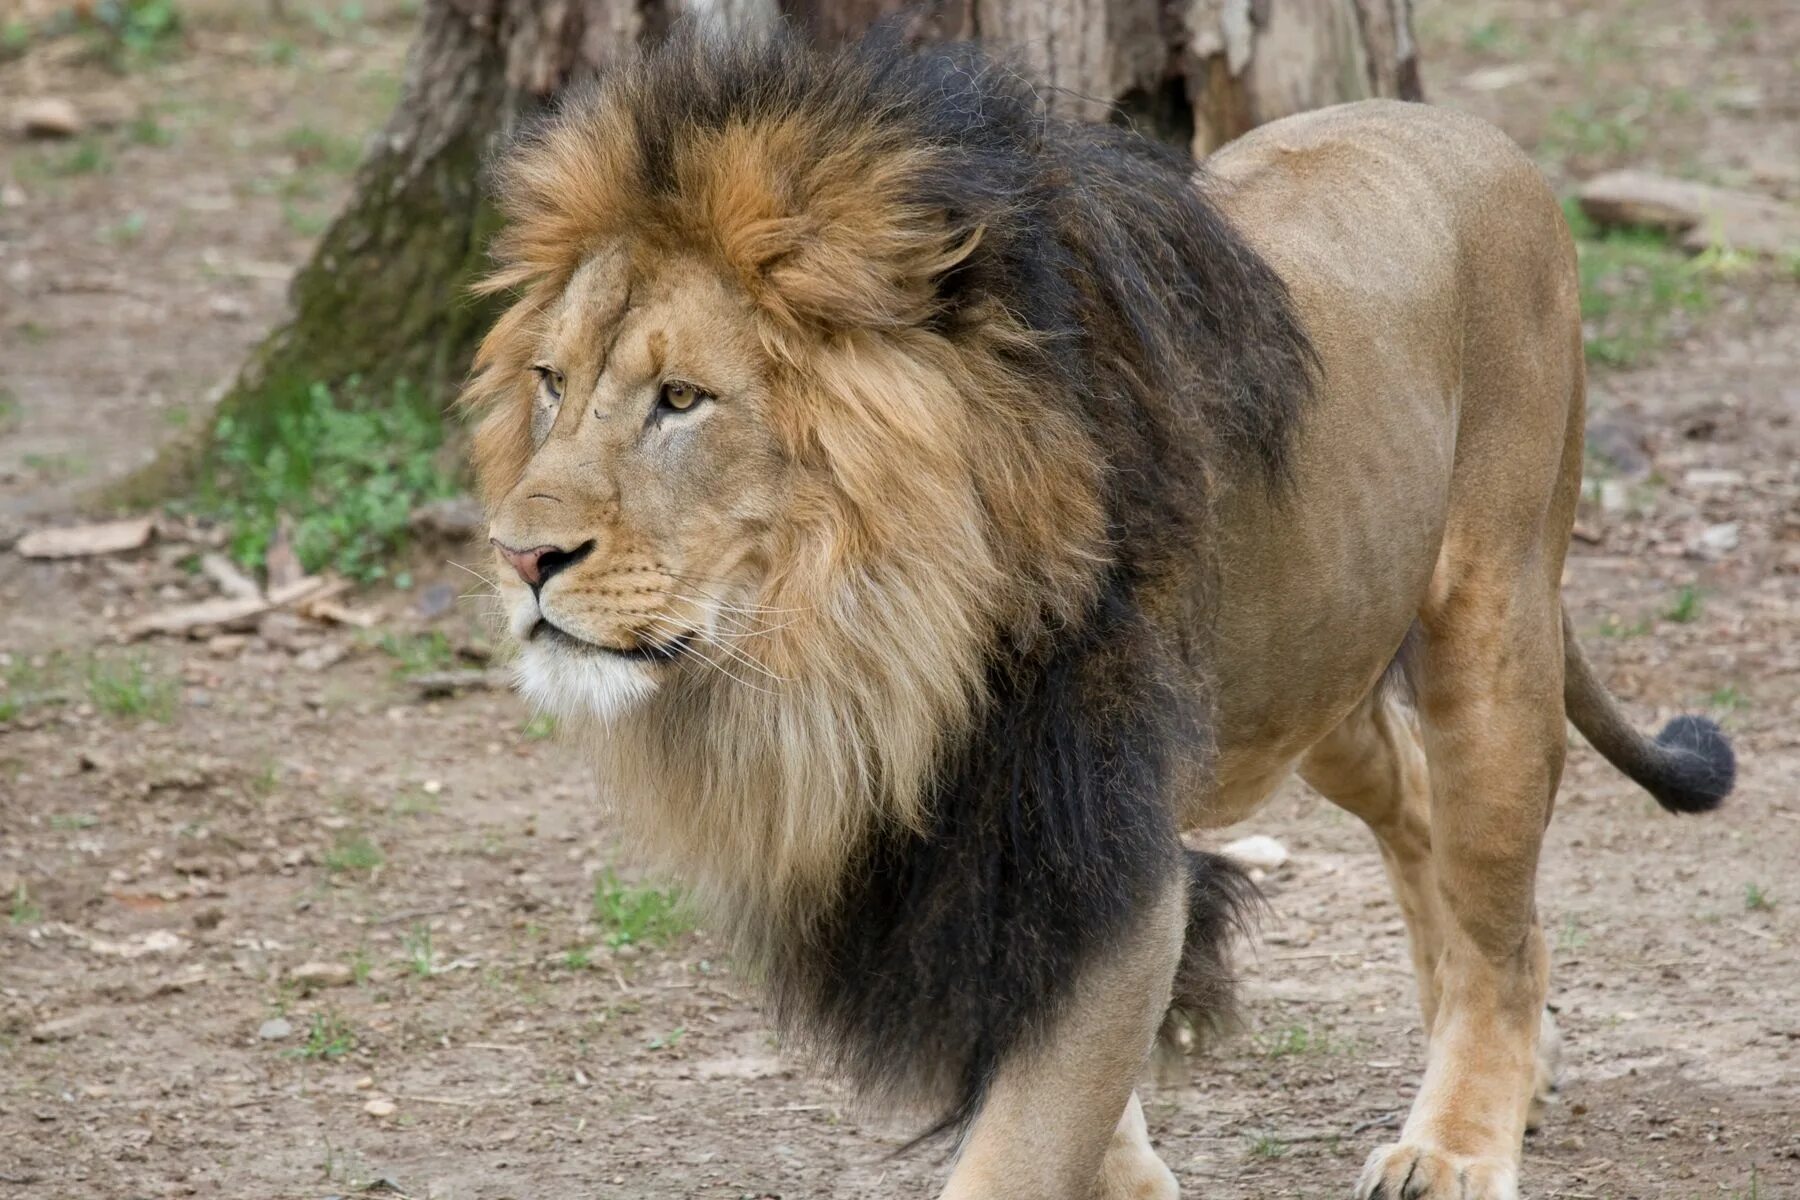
pixel 929 509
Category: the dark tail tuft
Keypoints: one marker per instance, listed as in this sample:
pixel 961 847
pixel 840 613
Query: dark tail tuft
pixel 1222 904
pixel 1688 767
pixel 1696 767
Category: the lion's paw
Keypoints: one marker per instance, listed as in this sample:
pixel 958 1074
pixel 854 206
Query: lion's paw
pixel 1417 1172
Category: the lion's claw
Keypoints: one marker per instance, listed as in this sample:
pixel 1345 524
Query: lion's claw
pixel 1416 1172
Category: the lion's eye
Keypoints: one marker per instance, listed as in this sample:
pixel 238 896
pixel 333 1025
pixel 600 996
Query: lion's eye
pixel 551 380
pixel 679 396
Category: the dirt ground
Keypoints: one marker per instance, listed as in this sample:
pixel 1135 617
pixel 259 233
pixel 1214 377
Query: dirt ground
pixel 183 824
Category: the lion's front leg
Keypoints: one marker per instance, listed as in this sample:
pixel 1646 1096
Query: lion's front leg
pixel 1061 1121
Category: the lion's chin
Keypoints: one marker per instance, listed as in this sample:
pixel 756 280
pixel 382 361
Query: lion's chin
pixel 572 686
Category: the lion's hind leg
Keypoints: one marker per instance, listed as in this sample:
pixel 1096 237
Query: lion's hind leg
pixel 1489 699
pixel 1373 765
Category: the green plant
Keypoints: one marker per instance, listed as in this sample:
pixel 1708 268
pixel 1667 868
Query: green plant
pixel 417 653
pixel 25 910
pixel 539 727
pixel 1728 698
pixel 420 957
pixel 317 148
pixel 1292 1040
pixel 328 1036
pixel 1633 282
pixel 24 684
pixel 136 29
pixel 86 157
pixel 1614 626
pixel 353 852
pixel 666 1041
pixel 632 915
pixel 1265 1146
pixel 1756 899
pixel 146 130
pixel 126 688
pixel 1686 609
pixel 347 474
pixel 127 230
pixel 303 222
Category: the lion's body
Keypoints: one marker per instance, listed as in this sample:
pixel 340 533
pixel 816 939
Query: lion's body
pixel 1436 277
pixel 931 508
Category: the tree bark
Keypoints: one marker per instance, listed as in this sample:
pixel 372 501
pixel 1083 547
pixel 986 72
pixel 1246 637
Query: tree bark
pixel 384 308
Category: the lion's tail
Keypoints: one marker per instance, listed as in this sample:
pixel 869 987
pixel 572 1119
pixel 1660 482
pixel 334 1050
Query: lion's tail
pixel 1689 767
pixel 1222 904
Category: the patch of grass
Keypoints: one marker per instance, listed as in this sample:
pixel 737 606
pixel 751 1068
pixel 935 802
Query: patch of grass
pixel 1494 36
pixel 1757 899
pixel 421 958
pixel 304 222
pixel 127 688
pixel 25 684
pixel 280 52
pixel 348 474
pixel 319 148
pixel 666 1041
pixel 353 853
pixel 24 910
pixel 1727 698
pixel 1614 626
pixel 146 130
pixel 9 409
pixel 1265 1146
pixel 55 466
pixel 1686 609
pixel 328 1036
pixel 1587 130
pixel 360 966
pixel 540 727
pixel 86 157
pixel 630 915
pixel 1633 282
pixel 127 230
pixel 417 653
pixel 130 32
pixel 1570 936
pixel 580 958
pixel 1293 1041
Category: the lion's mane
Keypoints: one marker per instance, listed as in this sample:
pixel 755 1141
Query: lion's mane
pixel 1011 352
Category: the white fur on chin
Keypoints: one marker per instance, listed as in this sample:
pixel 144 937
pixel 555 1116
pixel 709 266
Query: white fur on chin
pixel 570 685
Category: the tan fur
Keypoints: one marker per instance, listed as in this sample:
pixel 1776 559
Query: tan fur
pixel 1433 487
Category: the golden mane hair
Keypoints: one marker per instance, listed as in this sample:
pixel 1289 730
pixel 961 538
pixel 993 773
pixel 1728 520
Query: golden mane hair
pixel 1004 351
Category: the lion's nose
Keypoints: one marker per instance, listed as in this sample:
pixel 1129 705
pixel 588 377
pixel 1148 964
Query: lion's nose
pixel 536 565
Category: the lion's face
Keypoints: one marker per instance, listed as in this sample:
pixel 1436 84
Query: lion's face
pixel 632 540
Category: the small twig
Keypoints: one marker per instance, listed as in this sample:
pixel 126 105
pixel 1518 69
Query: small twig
pixel 1300 954
pixel 415 913
pixel 1386 1120
pixel 501 1046
pixel 444 1100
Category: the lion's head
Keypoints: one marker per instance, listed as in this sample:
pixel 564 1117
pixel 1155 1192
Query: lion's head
pixel 825 388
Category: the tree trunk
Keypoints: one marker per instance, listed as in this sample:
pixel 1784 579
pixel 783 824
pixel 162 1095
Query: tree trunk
pixel 383 308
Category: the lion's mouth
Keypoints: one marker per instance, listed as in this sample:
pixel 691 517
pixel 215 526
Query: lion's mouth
pixel 644 652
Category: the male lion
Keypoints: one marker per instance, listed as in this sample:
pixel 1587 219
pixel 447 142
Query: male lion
pixel 932 508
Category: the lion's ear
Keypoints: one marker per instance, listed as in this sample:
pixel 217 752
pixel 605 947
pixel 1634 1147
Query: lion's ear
pixel 826 240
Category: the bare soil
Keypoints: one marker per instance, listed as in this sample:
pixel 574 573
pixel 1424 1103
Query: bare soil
pixel 164 874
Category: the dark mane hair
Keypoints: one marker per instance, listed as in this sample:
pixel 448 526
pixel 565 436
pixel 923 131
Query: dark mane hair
pixel 1084 286
pixel 1092 236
